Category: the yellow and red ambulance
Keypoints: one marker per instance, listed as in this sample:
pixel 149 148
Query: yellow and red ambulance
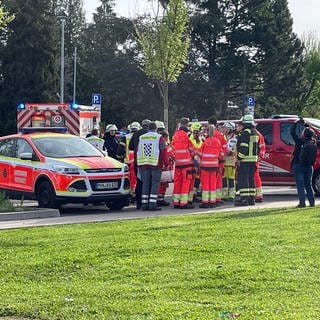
pixel 58 168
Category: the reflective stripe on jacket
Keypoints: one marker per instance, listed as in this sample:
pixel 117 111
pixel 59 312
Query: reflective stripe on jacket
pixel 210 151
pixel 183 149
pixel 248 145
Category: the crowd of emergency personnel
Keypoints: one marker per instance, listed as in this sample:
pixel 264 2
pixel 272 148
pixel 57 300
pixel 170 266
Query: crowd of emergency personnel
pixel 209 164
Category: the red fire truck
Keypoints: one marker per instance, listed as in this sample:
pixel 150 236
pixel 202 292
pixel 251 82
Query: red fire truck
pixel 77 119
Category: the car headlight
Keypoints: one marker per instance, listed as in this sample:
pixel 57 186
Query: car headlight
pixel 126 168
pixel 65 170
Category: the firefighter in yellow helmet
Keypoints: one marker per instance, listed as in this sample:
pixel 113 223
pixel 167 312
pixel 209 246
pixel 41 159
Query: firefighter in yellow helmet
pixel 197 140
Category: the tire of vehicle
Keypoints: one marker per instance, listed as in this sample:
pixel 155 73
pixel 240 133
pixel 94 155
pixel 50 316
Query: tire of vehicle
pixel 316 182
pixel 46 196
pixel 117 205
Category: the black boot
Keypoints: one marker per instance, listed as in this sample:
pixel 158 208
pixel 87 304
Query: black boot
pixel 251 201
pixel 242 202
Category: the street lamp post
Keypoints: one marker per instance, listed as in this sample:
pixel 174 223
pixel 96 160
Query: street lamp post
pixel 62 18
pixel 75 75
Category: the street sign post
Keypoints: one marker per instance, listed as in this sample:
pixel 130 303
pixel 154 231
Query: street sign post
pixel 96 100
pixel 250 104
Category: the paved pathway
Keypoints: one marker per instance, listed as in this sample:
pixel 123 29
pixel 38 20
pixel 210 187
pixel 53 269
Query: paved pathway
pixel 274 198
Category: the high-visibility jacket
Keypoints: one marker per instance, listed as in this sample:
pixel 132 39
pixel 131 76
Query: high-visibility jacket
pixel 262 145
pixel 221 137
pixel 210 151
pixel 183 149
pixel 196 143
pixel 230 156
pixel 127 157
pixel 248 145
pixel 148 149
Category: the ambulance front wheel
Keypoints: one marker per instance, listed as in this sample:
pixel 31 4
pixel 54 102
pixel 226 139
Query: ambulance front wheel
pixel 316 182
pixel 46 195
pixel 117 204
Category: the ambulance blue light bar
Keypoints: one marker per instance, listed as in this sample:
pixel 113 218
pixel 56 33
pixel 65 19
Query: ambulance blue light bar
pixel 75 106
pixel 43 129
pixel 21 106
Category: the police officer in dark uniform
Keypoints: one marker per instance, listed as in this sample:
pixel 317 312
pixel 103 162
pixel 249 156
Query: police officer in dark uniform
pixel 247 156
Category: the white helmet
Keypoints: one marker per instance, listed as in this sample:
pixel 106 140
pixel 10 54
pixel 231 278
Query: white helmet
pixel 160 124
pixel 134 126
pixel 110 127
pixel 247 119
pixel 229 125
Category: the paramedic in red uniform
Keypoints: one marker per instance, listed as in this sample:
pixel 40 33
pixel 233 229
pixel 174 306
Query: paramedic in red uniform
pixel 220 136
pixel 165 184
pixel 209 167
pixel 184 167
pixel 257 178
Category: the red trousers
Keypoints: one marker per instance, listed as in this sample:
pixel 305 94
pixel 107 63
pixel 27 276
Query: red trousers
pixel 181 185
pixel 258 182
pixel 209 186
pixel 133 178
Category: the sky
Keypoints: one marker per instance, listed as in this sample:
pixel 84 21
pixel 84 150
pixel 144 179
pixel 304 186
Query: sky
pixel 305 13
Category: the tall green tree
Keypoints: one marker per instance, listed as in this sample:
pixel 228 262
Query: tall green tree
pixel 280 59
pixel 165 46
pixel 239 48
pixel 108 66
pixel 28 57
pixel 310 101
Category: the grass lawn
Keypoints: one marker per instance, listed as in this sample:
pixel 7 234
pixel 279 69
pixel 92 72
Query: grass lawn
pixel 236 265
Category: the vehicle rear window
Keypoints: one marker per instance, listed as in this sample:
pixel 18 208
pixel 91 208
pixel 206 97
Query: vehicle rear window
pixel 266 130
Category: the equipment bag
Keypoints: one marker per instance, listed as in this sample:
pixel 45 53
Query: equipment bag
pixel 308 153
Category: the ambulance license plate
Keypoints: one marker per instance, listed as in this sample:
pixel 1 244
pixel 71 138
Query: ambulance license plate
pixel 107 185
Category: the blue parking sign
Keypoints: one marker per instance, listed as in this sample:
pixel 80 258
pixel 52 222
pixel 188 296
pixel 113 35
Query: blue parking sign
pixel 96 99
pixel 250 101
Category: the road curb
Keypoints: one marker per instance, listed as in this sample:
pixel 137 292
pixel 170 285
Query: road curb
pixel 29 214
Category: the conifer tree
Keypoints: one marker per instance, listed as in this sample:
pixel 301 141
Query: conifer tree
pixel 28 58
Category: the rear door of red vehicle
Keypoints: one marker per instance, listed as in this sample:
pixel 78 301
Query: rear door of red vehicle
pixel 275 168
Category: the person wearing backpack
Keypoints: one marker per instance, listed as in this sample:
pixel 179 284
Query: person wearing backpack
pixel 304 157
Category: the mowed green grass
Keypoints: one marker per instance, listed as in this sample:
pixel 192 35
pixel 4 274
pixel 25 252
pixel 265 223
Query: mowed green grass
pixel 237 265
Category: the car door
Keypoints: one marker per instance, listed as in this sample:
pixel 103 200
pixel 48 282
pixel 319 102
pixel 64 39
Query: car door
pixel 23 169
pixel 6 154
pixel 284 150
pixel 266 164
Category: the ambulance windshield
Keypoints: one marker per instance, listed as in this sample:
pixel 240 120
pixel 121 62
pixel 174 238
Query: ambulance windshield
pixel 65 147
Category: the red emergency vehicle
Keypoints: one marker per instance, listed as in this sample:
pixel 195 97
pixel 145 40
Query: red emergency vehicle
pixel 275 167
pixel 78 119
pixel 56 168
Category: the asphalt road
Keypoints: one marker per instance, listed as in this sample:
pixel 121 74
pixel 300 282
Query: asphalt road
pixel 274 197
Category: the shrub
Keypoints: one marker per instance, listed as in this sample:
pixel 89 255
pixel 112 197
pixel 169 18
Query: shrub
pixel 5 204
